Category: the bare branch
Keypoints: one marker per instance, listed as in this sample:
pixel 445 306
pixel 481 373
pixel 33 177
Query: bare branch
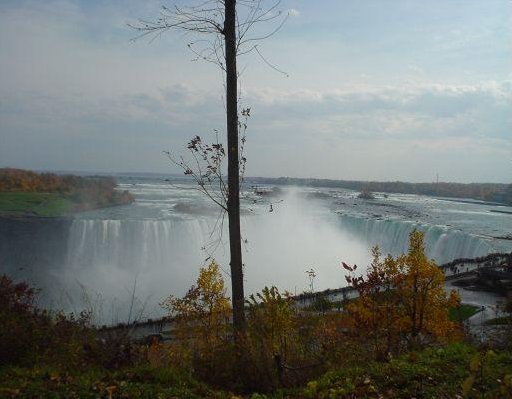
pixel 206 19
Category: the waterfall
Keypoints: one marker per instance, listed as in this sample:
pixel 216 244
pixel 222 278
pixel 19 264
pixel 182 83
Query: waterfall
pixel 108 260
pixel 134 245
pixel 158 257
pixel 392 236
pixel 153 248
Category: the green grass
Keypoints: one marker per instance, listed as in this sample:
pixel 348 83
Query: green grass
pixel 431 373
pixel 439 372
pixel 40 204
pixel 134 382
pixel 463 312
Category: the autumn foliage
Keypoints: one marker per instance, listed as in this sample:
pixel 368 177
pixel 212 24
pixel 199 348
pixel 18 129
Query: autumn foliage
pixel 390 338
pixel 402 301
pixel 29 334
pixel 202 323
pixel 401 305
pixel 83 192
pixel 204 311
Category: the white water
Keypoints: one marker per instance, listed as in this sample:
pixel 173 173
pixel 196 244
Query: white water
pixel 442 244
pixel 163 256
pixel 154 247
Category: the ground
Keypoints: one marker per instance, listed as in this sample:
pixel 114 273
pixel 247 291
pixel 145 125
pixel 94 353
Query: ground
pixel 438 372
pixel 37 204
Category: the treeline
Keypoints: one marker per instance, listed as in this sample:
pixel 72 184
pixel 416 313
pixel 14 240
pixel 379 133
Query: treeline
pixel 83 192
pixel 29 181
pixel 494 192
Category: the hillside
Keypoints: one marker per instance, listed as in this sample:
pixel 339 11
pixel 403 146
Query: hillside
pixel 24 192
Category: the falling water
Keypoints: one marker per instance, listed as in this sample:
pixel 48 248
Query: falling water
pixel 154 248
pixel 442 244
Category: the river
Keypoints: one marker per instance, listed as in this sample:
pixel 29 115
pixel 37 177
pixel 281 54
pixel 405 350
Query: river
pixel 155 246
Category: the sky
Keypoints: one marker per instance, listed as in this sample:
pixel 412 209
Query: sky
pixel 372 90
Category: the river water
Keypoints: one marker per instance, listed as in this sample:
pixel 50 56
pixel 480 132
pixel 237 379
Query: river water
pixel 155 246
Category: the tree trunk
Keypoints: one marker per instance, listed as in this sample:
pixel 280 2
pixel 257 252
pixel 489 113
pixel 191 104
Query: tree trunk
pixel 233 202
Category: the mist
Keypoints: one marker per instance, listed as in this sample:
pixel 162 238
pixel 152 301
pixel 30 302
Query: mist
pixel 111 261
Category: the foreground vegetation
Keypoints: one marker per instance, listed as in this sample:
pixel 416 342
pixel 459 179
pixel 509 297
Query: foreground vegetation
pixel 455 370
pixel 400 338
pixel 24 192
pixel 131 382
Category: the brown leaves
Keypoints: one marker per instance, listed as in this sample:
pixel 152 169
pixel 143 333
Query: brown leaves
pixel 347 267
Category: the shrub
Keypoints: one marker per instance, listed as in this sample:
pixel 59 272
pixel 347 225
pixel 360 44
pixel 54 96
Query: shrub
pixel 29 335
pixel 22 327
pixel 402 301
pixel 283 347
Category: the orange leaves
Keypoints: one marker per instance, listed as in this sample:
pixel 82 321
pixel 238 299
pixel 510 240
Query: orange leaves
pixel 402 300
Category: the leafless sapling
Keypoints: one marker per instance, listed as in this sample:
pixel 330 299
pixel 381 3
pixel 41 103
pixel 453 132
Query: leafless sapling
pixel 222 30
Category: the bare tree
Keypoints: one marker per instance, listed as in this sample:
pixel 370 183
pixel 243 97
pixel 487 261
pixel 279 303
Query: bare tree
pixel 223 30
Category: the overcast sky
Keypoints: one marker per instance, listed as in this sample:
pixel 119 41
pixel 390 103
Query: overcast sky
pixel 376 90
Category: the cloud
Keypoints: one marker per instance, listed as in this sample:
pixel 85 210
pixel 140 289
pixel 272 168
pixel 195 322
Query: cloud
pixel 417 110
pixel 292 12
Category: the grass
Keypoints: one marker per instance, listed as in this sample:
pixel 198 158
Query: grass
pixel 437 372
pixel 134 382
pixel 40 204
pixel 463 312
pixel 431 373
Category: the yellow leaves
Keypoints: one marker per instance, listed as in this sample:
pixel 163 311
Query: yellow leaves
pixel 158 355
pixel 270 317
pixel 506 385
pixel 403 295
pixel 475 364
pixel 207 297
pixel 454 299
pixel 202 315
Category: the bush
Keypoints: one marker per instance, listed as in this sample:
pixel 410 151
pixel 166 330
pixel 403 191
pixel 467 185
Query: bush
pixel 23 329
pixel 282 347
pixel 29 335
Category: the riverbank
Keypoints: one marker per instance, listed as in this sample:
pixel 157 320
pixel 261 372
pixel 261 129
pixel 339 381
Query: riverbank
pixel 54 204
pixel 27 193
